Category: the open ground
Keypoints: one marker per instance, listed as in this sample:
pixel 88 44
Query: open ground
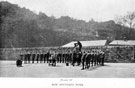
pixel 39 70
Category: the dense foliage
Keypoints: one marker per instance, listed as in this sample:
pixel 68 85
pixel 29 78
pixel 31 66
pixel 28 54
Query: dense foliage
pixel 20 27
pixel 120 54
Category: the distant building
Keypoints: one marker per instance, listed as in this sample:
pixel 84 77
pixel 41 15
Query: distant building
pixel 93 43
pixel 123 42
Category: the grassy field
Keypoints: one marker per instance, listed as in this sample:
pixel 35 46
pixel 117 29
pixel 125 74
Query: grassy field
pixel 110 70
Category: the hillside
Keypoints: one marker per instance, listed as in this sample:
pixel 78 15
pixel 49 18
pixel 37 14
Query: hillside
pixel 20 27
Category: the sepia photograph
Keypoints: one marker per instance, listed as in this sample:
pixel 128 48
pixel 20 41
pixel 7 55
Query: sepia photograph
pixel 69 41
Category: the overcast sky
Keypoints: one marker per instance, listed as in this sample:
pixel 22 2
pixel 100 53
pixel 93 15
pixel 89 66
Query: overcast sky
pixel 101 10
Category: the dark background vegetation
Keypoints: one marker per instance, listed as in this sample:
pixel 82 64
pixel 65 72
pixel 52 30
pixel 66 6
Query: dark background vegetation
pixel 20 27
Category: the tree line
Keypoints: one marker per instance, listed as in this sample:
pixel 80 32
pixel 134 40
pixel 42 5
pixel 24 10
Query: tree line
pixel 20 27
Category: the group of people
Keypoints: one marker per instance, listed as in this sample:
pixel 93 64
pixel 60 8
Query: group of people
pixel 73 57
pixel 87 58
pixel 46 57
pixel 92 58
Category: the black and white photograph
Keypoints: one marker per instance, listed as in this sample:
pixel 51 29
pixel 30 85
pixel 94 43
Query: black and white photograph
pixel 67 40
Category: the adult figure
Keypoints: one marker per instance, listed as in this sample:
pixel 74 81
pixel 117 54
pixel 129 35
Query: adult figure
pixel 80 45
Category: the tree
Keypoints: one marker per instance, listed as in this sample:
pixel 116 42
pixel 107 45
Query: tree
pixel 128 21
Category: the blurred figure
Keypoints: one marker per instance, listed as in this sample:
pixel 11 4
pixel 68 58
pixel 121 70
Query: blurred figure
pixel 80 45
pixel 19 61
pixel 28 56
pixel 83 60
pixel 33 57
pixel 37 58
pixel 25 58
pixel 47 56
pixel 102 58
pixel 52 59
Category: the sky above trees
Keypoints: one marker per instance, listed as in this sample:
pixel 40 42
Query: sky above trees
pixel 100 10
